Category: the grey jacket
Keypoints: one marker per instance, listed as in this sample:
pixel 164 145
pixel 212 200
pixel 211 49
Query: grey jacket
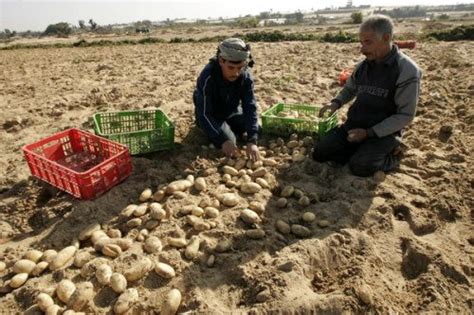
pixel 386 94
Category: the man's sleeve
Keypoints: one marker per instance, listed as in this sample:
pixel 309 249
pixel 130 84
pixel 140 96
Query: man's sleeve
pixel 349 91
pixel 204 104
pixel 249 108
pixel 406 98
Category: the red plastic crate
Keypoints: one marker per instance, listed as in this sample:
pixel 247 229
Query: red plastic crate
pixel 79 162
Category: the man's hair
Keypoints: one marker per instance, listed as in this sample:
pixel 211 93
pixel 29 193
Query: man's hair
pixel 379 24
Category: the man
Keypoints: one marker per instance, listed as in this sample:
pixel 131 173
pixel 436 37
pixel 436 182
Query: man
pixel 224 100
pixel 386 88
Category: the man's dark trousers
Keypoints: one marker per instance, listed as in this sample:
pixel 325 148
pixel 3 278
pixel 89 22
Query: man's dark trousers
pixel 364 158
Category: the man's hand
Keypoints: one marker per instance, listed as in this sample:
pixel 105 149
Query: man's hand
pixel 229 149
pixel 252 152
pixel 331 108
pixel 356 135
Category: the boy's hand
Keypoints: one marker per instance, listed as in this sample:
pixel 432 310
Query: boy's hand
pixel 229 148
pixel 252 152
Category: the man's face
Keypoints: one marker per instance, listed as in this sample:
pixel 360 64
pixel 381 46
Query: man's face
pixel 374 46
pixel 231 71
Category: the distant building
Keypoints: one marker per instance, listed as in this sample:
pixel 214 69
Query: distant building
pixel 267 22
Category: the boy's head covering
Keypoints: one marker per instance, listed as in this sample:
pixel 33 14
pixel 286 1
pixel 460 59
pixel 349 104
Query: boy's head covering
pixel 234 49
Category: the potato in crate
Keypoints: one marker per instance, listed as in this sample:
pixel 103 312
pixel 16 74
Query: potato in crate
pixel 79 162
pixel 285 119
pixel 142 131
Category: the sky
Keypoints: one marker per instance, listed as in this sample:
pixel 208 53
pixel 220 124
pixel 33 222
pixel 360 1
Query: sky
pixel 36 15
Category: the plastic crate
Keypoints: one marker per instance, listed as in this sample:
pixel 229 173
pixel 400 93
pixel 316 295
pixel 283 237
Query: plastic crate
pixel 79 162
pixel 142 131
pixel 307 123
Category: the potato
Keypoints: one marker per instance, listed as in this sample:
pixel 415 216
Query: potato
pixel 99 245
pixel 304 201
pixel 192 249
pixel 111 250
pixel 118 283
pixel 283 227
pixel 65 290
pixel 3 266
pixel 39 268
pixel 164 270
pixel 245 179
pixel 128 211
pixel 103 274
pixel 255 234
pixel 250 188
pixel 97 235
pixel 62 259
pixel 240 163
pixel 211 212
pixel 133 223
pixel 23 266
pixel 83 295
pixel 178 185
pixel 300 231
pixel 298 157
pixel 210 261
pixel 282 202
pixel 123 243
pixel 171 304
pixel 90 267
pixel 249 216
pixel 230 170
pixel 179 195
pixel 226 178
pixel 140 210
pixel 44 301
pixel 231 184
pixel 230 162
pixel 200 184
pixel 197 211
pixel 49 255
pixel 308 217
pixel 152 245
pixel 188 209
pixel 223 246
pixel 18 280
pixel 177 242
pixel 298 193
pixel 125 301
pixel 159 195
pixel 257 206
pixel 262 182
pixel 138 269
pixel 114 233
pixel 269 162
pixel 324 223
pixel 82 258
pixel 241 173
pixel 145 195
pixel 259 172
pixel 257 164
pixel 87 232
pixel 229 199
pixel 292 144
pixel 33 255
pixel 287 191
pixel 190 178
pixel 198 223
pixel 157 213
pixel 151 224
pixel 53 310
pixel 249 164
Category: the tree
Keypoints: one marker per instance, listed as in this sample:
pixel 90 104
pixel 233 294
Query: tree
pixel 299 17
pixel 82 24
pixel 356 17
pixel 93 24
pixel 264 15
pixel 58 29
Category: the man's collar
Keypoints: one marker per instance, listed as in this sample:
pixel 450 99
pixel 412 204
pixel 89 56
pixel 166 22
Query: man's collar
pixel 391 57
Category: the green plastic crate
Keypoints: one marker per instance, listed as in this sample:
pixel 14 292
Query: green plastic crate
pixel 308 121
pixel 142 131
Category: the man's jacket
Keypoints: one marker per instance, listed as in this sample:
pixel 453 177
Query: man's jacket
pixel 386 94
pixel 215 99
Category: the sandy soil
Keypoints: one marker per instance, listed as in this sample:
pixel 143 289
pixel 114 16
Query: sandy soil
pixel 403 243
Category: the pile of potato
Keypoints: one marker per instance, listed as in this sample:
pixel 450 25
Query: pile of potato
pixel 97 247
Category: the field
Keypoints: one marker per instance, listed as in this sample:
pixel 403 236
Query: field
pixel 403 243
